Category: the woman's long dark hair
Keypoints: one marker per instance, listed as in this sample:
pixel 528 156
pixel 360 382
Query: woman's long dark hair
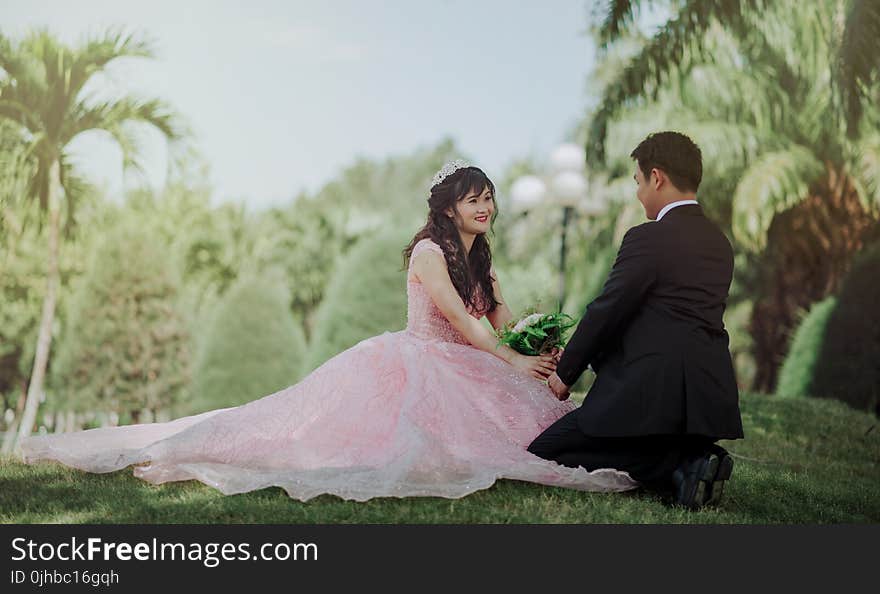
pixel 469 272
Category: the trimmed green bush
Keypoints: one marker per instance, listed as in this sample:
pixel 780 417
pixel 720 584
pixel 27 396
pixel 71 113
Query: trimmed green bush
pixel 366 296
pixel 848 366
pixel 253 346
pixel 799 369
pixel 125 347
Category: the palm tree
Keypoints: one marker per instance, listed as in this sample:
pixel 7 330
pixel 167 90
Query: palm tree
pixel 41 92
pixel 16 168
pixel 680 42
pixel 761 93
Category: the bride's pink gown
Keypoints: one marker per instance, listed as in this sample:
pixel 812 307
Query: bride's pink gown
pixel 415 412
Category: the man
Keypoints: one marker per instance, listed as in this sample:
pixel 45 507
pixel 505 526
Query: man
pixel 665 389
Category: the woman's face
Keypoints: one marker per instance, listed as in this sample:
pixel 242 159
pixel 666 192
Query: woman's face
pixel 474 212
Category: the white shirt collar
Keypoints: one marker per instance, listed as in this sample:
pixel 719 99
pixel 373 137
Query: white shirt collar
pixel 672 205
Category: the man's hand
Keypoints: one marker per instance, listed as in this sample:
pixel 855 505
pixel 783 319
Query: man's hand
pixel 559 388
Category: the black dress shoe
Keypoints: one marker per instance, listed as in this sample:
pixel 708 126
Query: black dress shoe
pixel 725 468
pixel 692 478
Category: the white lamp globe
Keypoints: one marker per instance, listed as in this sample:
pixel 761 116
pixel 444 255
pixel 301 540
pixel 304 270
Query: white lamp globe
pixel 593 206
pixel 569 187
pixel 568 157
pixel 527 191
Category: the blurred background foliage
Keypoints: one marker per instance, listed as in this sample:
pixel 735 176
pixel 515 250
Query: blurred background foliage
pixel 253 344
pixel 168 304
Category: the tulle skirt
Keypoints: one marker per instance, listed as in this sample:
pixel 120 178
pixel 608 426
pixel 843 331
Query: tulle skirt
pixel 394 416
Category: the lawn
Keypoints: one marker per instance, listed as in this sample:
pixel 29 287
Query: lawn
pixel 803 461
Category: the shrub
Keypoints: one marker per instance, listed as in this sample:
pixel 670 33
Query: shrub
pixel 848 366
pixel 125 347
pixel 253 346
pixel 797 376
pixel 366 296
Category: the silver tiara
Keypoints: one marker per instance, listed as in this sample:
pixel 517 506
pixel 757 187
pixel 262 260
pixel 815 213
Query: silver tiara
pixel 446 171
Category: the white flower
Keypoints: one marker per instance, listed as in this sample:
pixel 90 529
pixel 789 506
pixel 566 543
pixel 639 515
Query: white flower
pixel 527 321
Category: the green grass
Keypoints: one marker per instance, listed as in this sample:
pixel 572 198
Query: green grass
pixel 803 461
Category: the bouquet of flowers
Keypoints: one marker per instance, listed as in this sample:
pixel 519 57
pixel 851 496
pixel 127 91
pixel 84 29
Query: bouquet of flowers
pixel 536 333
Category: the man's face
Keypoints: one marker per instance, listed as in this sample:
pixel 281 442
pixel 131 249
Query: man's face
pixel 645 193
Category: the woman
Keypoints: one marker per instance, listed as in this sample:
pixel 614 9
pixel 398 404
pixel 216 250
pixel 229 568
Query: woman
pixel 437 409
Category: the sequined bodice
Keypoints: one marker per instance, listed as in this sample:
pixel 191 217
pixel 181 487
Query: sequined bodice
pixel 423 317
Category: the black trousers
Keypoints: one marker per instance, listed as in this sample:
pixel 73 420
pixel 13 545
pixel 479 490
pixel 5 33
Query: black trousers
pixel 649 459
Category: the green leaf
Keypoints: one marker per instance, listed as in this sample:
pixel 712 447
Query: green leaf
pixel 774 183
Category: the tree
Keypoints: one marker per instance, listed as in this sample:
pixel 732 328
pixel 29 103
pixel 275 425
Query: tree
pixel 306 238
pixel 758 87
pixel 852 57
pixel 41 92
pixel 19 276
pixel 125 348
pixel 305 241
pixel 365 297
pixel 253 346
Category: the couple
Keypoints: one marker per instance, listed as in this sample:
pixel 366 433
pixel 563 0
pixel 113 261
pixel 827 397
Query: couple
pixel 439 409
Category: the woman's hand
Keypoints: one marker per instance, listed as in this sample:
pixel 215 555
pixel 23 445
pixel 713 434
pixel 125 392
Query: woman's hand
pixel 539 367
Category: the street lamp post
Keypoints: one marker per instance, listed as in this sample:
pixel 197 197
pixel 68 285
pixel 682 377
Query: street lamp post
pixel 566 217
pixel 565 186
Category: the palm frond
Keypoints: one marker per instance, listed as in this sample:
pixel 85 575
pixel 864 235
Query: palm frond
pixel 23 90
pixel 128 142
pixel 857 63
pixel 677 46
pixel 727 137
pixel 796 47
pixel 109 115
pixel 619 15
pixel 100 50
pixel 76 188
pixel 17 166
pixel 728 144
pixel 723 89
pixel 865 171
pixel 774 183
pixel 38 185
pixel 14 110
pixel 55 59
pixel 19 65
pixel 626 130
pixel 114 43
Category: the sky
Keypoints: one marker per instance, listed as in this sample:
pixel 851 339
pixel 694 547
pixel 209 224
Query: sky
pixel 281 95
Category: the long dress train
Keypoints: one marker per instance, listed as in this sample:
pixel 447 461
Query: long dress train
pixel 418 412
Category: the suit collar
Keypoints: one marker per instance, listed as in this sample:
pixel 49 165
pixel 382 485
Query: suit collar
pixel 687 209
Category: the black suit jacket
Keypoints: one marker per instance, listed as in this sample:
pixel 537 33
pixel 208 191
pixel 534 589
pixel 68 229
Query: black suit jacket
pixel 655 335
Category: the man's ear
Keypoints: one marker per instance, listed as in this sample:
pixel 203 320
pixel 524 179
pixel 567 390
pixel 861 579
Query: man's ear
pixel 659 178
